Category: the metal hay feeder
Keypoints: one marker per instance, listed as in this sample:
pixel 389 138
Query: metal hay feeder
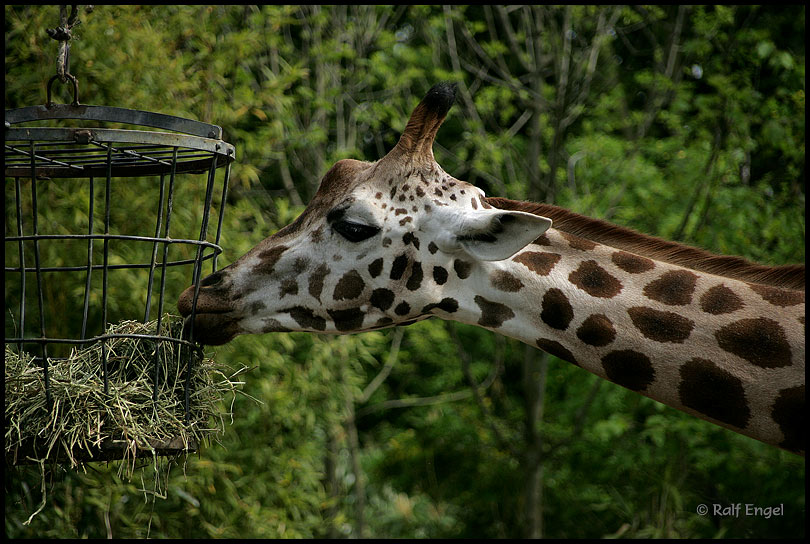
pixel 98 258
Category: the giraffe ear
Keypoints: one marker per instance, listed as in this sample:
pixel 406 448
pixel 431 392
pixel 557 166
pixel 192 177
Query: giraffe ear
pixel 494 235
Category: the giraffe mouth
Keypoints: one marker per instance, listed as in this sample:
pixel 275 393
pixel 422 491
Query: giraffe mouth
pixel 214 320
pixel 213 329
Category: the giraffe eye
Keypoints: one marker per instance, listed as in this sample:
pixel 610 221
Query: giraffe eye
pixel 354 232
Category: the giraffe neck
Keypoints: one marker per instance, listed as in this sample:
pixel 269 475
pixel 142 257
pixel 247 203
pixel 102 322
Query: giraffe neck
pixel 721 349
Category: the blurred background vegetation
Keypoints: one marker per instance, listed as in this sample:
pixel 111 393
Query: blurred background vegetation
pixel 681 122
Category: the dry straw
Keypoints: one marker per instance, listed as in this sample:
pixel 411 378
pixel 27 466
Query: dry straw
pixel 85 423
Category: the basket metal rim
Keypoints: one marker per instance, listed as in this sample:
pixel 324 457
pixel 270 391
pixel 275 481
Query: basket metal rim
pixel 120 135
pixel 112 114
pixel 125 145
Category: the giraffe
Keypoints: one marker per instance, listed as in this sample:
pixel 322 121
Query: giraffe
pixel 399 240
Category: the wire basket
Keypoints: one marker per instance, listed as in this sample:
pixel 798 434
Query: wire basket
pixel 145 210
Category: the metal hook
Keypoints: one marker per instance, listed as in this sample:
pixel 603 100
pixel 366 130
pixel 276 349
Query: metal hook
pixel 49 103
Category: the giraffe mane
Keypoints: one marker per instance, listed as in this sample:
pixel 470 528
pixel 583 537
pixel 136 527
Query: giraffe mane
pixel 600 231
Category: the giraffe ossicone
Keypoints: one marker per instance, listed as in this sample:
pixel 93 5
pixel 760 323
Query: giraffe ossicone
pixel 399 240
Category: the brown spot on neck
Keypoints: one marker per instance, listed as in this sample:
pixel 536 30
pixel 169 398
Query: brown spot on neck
pixel 703 383
pixel 673 288
pixel 596 330
pixel 720 300
pixel 760 341
pixel 778 297
pixel 493 314
pixel 595 280
pixel 576 242
pixel 504 281
pixel 629 262
pixel 661 326
pixel 462 268
pixel 629 369
pixel 539 262
pixel 556 349
pixel 556 310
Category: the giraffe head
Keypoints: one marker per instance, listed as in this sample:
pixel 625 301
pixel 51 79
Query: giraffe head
pixel 380 244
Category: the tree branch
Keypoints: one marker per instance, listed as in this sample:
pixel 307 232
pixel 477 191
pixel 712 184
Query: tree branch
pixel 386 370
pixel 412 402
pixel 590 69
pixel 426 401
pixel 657 99
pixel 454 59
pixel 517 53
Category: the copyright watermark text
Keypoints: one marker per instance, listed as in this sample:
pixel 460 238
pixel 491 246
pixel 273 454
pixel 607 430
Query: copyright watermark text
pixel 739 509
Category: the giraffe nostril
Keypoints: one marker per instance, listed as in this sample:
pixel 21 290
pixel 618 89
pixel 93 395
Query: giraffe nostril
pixel 213 279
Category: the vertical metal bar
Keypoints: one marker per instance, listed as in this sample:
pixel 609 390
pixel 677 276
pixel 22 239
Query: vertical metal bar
pixel 43 345
pixel 221 212
pixel 21 246
pixel 149 288
pixel 104 276
pixel 169 205
pixel 195 278
pixel 209 195
pixel 154 252
pixel 90 208
pixel 162 298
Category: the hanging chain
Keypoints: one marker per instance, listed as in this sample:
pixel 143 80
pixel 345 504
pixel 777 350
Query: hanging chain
pixel 63 34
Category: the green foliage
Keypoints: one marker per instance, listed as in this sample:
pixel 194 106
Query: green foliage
pixel 689 126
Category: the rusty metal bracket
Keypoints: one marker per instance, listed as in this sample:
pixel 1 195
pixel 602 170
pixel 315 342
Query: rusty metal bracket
pixel 83 136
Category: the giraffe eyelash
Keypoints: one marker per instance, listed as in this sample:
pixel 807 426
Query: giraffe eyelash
pixel 354 232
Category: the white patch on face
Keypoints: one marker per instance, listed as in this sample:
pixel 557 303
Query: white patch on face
pixel 441 227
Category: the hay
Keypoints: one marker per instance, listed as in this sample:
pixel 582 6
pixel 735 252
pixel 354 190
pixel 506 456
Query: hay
pixel 86 424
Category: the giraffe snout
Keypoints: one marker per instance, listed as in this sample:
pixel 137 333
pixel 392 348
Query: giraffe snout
pixel 214 321
pixel 185 302
pixel 212 297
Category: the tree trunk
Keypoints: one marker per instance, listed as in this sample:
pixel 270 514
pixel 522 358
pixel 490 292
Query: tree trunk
pixel 359 483
pixel 535 368
pixel 331 484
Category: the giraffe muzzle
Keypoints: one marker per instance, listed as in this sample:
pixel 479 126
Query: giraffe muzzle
pixel 210 329
pixel 215 322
